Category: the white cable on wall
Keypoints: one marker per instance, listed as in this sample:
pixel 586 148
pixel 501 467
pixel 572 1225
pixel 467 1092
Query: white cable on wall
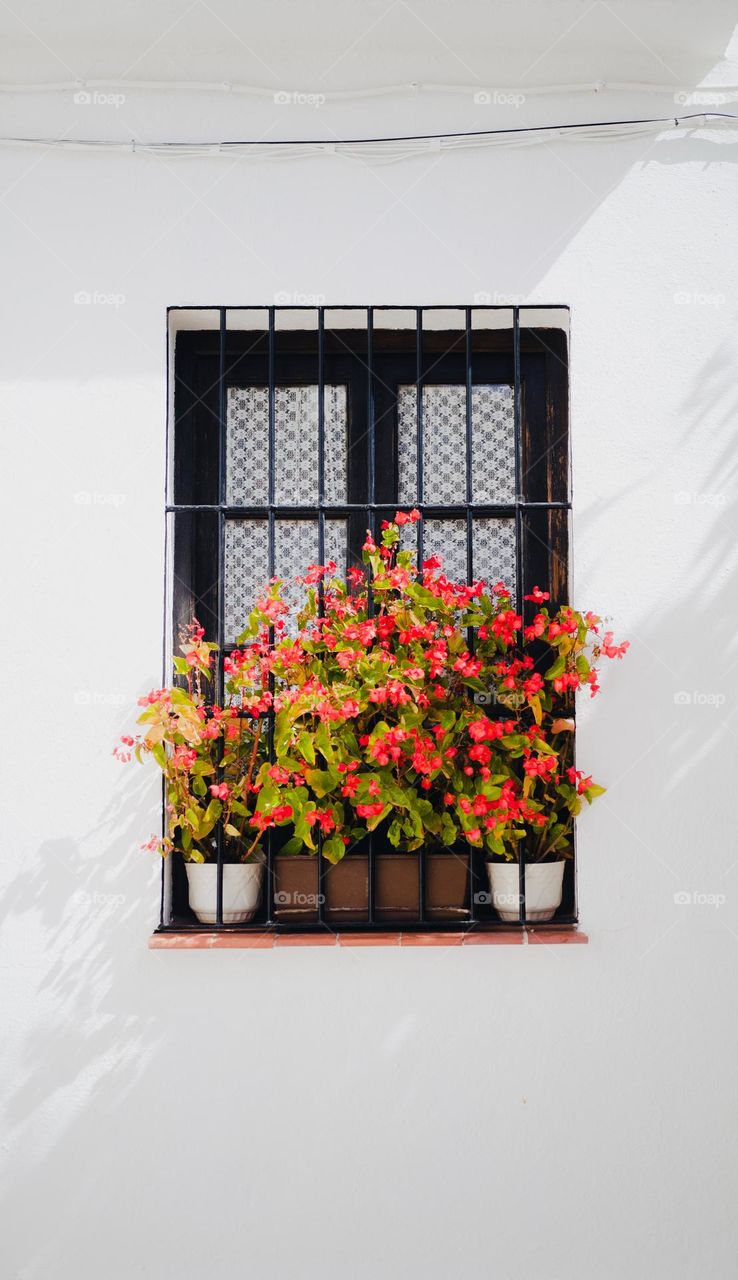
pixel 388 149
pixel 703 94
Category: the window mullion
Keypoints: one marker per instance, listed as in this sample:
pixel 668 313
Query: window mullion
pixel 518 545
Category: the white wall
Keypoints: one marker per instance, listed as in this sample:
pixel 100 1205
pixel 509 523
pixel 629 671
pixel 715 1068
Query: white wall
pixel 527 1113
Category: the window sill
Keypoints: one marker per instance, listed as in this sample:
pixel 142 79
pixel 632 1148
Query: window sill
pixel 215 940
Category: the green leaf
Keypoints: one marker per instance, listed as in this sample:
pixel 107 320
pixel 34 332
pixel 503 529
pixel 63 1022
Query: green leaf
pixel 268 797
pixel 209 819
pixel 293 846
pixel 305 745
pixel 334 849
pixel 323 742
pixel 374 822
pixel 449 831
pixel 322 781
pixel 230 830
pixel 557 668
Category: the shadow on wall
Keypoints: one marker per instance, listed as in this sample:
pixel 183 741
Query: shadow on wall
pixel 90 1028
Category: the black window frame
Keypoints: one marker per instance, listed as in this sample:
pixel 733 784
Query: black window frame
pixel 372 361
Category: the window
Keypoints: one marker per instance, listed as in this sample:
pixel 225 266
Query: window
pixel 294 431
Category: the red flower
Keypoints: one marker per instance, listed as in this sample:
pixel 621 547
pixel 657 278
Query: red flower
pixel 578 780
pixel 467 665
pixel 539 766
pixel 538 596
pixel 611 650
pixel 369 810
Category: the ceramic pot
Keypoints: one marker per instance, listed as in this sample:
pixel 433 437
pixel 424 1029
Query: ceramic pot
pixel 543 887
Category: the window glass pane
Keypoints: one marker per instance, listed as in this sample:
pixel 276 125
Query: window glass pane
pixel 493 543
pixel 493 444
pixel 296 445
pixel 494 551
pixel 335 544
pixel 447 539
pixel 296 546
pixel 247 446
pixel 246 571
pixel 444 443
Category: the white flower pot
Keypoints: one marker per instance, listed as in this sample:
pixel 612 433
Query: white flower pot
pixel 543 883
pixel 242 882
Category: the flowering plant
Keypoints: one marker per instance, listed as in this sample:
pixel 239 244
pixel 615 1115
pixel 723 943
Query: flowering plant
pixel 372 687
pixel 213 758
pixel 376 703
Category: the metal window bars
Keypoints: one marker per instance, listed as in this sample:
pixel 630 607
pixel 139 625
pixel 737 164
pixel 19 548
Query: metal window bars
pixel 207 356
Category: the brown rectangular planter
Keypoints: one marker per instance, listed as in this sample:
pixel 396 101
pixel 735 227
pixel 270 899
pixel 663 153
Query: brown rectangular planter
pixel 345 886
pixel 396 888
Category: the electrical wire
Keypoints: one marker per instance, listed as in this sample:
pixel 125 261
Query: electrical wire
pixel 388 149
pixel 700 94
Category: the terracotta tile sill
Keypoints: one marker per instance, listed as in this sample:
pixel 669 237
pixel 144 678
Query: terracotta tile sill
pixel 248 941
